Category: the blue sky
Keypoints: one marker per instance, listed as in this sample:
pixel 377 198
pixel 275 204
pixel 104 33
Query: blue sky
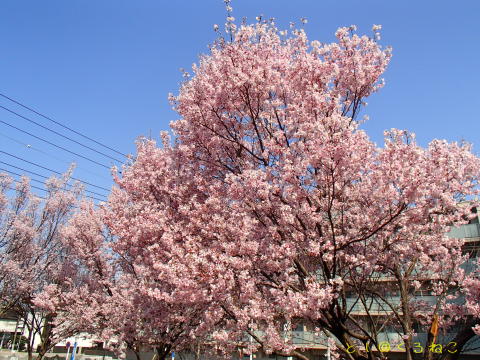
pixel 105 68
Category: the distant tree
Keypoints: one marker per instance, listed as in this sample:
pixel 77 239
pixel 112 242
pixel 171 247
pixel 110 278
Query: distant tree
pixel 31 252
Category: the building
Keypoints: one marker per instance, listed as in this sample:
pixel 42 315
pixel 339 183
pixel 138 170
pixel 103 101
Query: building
pixel 11 329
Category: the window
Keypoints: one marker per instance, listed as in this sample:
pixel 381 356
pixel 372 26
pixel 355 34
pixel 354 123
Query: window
pixel 475 219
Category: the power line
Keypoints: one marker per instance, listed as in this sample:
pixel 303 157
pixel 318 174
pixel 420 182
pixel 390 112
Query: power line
pixel 30 147
pixel 57 133
pixel 14 189
pixel 62 125
pixel 17 174
pixel 56 172
pixel 38 188
pixel 58 146
pixel 41 182
pixel 19 168
pixel 39 175
pixel 42 189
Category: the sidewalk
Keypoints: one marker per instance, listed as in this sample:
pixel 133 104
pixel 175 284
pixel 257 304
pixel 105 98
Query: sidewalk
pixel 9 355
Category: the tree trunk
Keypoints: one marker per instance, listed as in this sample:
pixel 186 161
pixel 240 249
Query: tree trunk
pixel 345 340
pixel 197 352
pixel 454 348
pixel 46 337
pixel 407 320
pixel 135 348
pixel 29 348
pixel 163 352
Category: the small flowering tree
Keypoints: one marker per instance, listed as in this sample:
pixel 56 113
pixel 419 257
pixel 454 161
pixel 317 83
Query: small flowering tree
pixel 131 277
pixel 31 252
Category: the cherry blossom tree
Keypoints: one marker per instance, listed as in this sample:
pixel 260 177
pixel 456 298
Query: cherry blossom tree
pixel 302 208
pixel 273 208
pixel 31 252
pixel 130 275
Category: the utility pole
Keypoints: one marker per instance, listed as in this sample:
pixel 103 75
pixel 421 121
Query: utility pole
pixel 251 341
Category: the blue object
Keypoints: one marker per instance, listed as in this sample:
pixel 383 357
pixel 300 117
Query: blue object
pixel 72 357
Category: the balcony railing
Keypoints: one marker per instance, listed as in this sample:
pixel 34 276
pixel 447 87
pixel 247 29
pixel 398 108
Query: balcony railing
pixel 465 231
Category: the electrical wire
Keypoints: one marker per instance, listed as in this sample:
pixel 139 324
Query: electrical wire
pixel 14 189
pixel 57 133
pixel 30 147
pixel 17 174
pixel 57 146
pixel 42 189
pixel 62 125
pixel 42 176
pixel 19 168
pixel 56 172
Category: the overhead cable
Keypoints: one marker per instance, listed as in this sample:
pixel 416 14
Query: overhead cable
pixel 42 189
pixel 62 125
pixel 57 133
pixel 57 146
pixel 36 174
pixel 14 189
pixel 31 147
pixel 56 172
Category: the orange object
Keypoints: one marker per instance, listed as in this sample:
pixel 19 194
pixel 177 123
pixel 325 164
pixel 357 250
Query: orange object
pixel 434 327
